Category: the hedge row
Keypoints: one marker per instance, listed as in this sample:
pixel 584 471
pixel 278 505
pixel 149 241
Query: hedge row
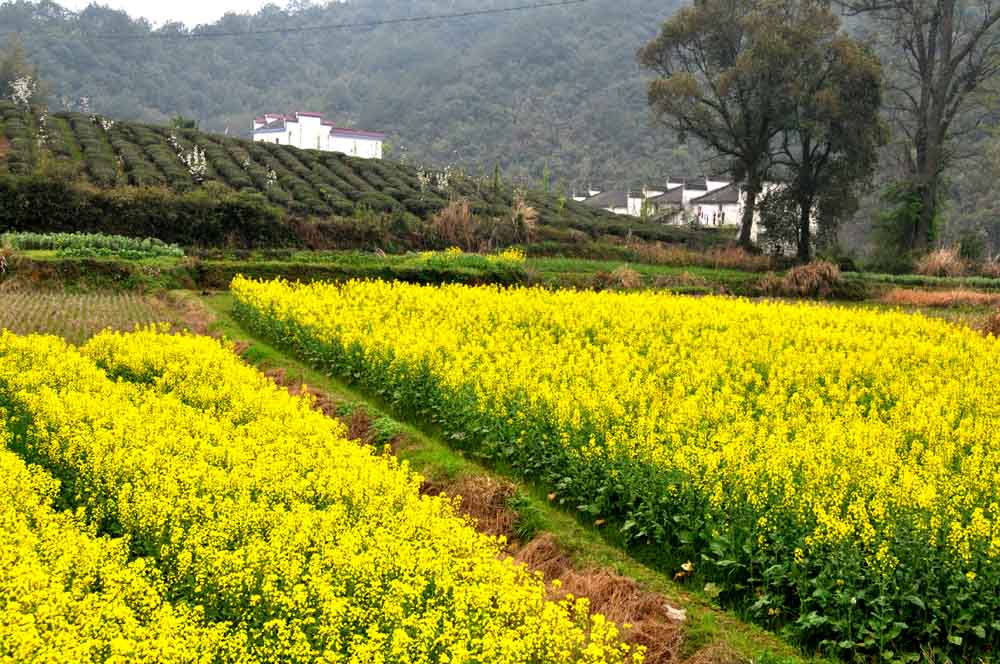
pixel 209 216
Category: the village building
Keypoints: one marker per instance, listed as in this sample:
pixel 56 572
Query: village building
pixel 612 200
pixel 669 205
pixel 309 131
pixel 721 207
pixel 580 195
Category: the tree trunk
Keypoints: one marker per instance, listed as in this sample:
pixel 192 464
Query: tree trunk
pixel 804 253
pixel 924 230
pixel 928 169
pixel 749 206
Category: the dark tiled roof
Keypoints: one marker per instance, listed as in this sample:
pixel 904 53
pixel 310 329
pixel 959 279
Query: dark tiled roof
pixel 696 184
pixel 672 196
pixel 608 199
pixel 728 194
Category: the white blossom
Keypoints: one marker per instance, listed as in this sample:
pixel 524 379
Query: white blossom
pixel 424 179
pixel 196 163
pixel 22 90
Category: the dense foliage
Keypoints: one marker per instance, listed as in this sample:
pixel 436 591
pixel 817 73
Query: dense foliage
pixel 832 471
pixel 557 87
pixel 254 512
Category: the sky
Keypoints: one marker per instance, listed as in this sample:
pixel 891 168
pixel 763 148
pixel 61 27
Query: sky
pixel 189 12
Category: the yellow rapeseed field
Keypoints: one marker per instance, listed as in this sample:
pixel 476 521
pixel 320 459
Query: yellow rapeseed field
pixel 834 470
pixel 274 537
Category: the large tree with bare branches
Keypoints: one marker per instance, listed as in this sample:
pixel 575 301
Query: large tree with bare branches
pixel 941 52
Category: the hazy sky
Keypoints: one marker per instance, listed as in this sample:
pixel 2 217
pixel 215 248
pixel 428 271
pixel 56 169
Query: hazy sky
pixel 190 12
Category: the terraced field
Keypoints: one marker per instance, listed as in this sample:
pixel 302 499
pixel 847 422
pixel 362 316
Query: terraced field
pixel 309 183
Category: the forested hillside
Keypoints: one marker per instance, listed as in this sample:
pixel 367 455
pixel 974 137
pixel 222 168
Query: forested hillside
pixel 556 87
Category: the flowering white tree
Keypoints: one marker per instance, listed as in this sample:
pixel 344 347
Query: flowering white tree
pixel 196 163
pixel 195 160
pixel 22 90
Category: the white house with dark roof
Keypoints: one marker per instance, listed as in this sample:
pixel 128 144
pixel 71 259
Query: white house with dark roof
pixel 309 131
pixel 612 201
pixel 721 207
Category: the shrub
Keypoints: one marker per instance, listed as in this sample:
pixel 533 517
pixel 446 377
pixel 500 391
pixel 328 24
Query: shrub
pixel 817 279
pixel 623 277
pixel 943 262
pixel 207 216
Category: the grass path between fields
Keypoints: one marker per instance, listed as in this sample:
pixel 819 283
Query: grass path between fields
pixel 705 627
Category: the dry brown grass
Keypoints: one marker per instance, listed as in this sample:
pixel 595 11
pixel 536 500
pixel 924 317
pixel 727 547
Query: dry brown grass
pixel 483 499
pixel 811 280
pixel 617 597
pixel 959 297
pixel 321 400
pixel 733 258
pixel 716 654
pixel 194 315
pixel 944 262
pixel 682 279
pixel 456 226
pixel 991 326
pixel 990 268
pixel 621 278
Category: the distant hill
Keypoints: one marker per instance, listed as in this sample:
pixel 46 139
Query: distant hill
pixel 555 88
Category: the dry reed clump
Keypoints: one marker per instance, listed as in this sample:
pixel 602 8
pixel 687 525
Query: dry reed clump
pixel 619 598
pixel 455 225
pixel 523 219
pixel 622 277
pixel 817 279
pixel 944 262
pixel 910 297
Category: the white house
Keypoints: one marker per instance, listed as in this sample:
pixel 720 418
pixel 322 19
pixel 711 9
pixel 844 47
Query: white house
pixel 584 194
pixel 612 201
pixel 310 132
pixel 721 207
